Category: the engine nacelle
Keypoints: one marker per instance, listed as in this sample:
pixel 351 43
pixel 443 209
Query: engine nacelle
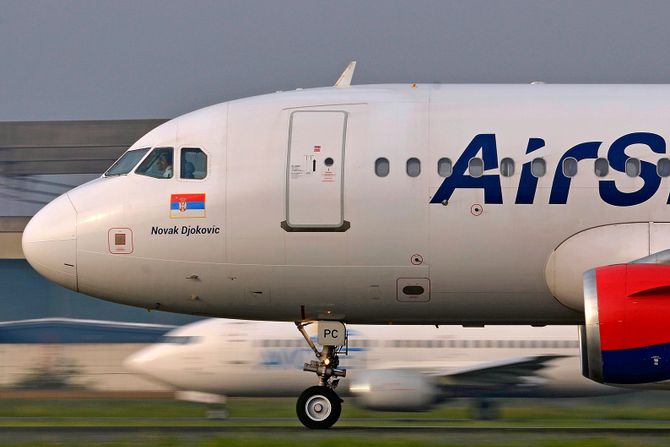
pixel 626 339
pixel 395 390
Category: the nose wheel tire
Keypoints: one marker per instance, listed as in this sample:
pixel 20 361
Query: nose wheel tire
pixel 318 407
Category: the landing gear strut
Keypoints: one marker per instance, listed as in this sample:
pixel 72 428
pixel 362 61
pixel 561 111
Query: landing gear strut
pixel 319 406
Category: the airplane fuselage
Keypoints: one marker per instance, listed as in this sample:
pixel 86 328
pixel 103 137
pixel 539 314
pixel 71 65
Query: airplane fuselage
pixel 379 204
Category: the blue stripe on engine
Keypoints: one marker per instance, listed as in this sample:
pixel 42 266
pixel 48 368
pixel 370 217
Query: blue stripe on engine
pixel 189 205
pixel 638 365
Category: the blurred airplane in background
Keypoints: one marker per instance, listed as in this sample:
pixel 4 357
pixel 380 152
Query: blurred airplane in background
pixel 412 369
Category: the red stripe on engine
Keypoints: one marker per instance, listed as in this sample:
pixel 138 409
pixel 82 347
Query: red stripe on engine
pixel 633 305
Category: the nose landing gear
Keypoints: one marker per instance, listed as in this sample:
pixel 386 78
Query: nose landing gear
pixel 319 407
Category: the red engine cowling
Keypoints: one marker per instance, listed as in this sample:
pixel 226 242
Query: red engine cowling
pixel 626 339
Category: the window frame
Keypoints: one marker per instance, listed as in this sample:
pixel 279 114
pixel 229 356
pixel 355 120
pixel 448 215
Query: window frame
pixel 446 160
pixel 658 165
pixel 388 165
pixel 407 163
pixel 563 165
pixel 544 162
pixel 179 177
pixel 470 167
pixel 512 163
pixel 639 167
pixel 607 164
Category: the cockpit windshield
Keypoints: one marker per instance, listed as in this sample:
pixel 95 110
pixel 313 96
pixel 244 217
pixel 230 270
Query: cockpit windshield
pixel 127 162
pixel 158 163
pixel 178 339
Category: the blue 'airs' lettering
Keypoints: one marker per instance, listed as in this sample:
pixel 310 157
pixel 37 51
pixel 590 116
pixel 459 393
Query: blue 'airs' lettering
pixel 560 188
pixel 617 158
pixel 528 183
pixel 458 179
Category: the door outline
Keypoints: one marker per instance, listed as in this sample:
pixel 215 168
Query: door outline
pixel 344 225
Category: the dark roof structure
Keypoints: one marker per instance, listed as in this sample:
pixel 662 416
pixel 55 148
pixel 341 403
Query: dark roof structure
pixel 68 330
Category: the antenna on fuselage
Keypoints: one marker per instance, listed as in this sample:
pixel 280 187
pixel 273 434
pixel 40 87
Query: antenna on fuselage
pixel 345 78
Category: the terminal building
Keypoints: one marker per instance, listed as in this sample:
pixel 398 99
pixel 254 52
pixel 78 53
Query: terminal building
pixel 51 337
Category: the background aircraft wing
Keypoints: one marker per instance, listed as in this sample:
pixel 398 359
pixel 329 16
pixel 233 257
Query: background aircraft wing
pixel 520 373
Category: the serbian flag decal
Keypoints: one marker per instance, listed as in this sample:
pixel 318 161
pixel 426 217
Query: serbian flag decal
pixel 187 206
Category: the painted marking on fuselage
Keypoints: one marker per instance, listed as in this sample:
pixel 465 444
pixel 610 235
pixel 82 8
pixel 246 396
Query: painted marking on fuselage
pixel 297 357
pixel 185 206
pixel 185 230
pixel 485 144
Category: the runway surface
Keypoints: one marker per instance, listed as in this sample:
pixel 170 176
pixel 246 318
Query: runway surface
pixel 265 434
pixel 160 429
pixel 118 432
pixel 272 423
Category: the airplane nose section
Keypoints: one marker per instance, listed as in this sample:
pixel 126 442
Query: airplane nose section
pixel 138 361
pixel 49 242
pixel 148 362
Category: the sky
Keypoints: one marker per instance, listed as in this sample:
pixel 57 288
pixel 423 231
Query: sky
pixel 120 59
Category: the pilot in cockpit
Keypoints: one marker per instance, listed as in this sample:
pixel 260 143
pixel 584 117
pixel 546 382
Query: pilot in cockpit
pixel 164 164
pixel 187 169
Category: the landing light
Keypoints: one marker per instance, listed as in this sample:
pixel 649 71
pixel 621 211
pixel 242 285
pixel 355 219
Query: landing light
pixel 360 388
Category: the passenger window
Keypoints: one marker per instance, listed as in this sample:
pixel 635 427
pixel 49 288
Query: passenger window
pixel 570 167
pixel 663 167
pixel 601 167
pixel 193 163
pixel 127 162
pixel 382 167
pixel 444 167
pixel 632 167
pixel 507 167
pixel 413 167
pixel 158 163
pixel 476 167
pixel 538 167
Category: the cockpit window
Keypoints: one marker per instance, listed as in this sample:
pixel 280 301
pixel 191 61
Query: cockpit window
pixel 178 339
pixel 127 162
pixel 158 163
pixel 193 163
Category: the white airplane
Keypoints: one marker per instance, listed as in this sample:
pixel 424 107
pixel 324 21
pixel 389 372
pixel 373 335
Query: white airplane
pixel 213 358
pixel 406 204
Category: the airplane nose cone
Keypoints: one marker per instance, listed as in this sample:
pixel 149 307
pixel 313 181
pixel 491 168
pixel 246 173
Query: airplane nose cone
pixel 137 362
pixel 148 362
pixel 49 242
